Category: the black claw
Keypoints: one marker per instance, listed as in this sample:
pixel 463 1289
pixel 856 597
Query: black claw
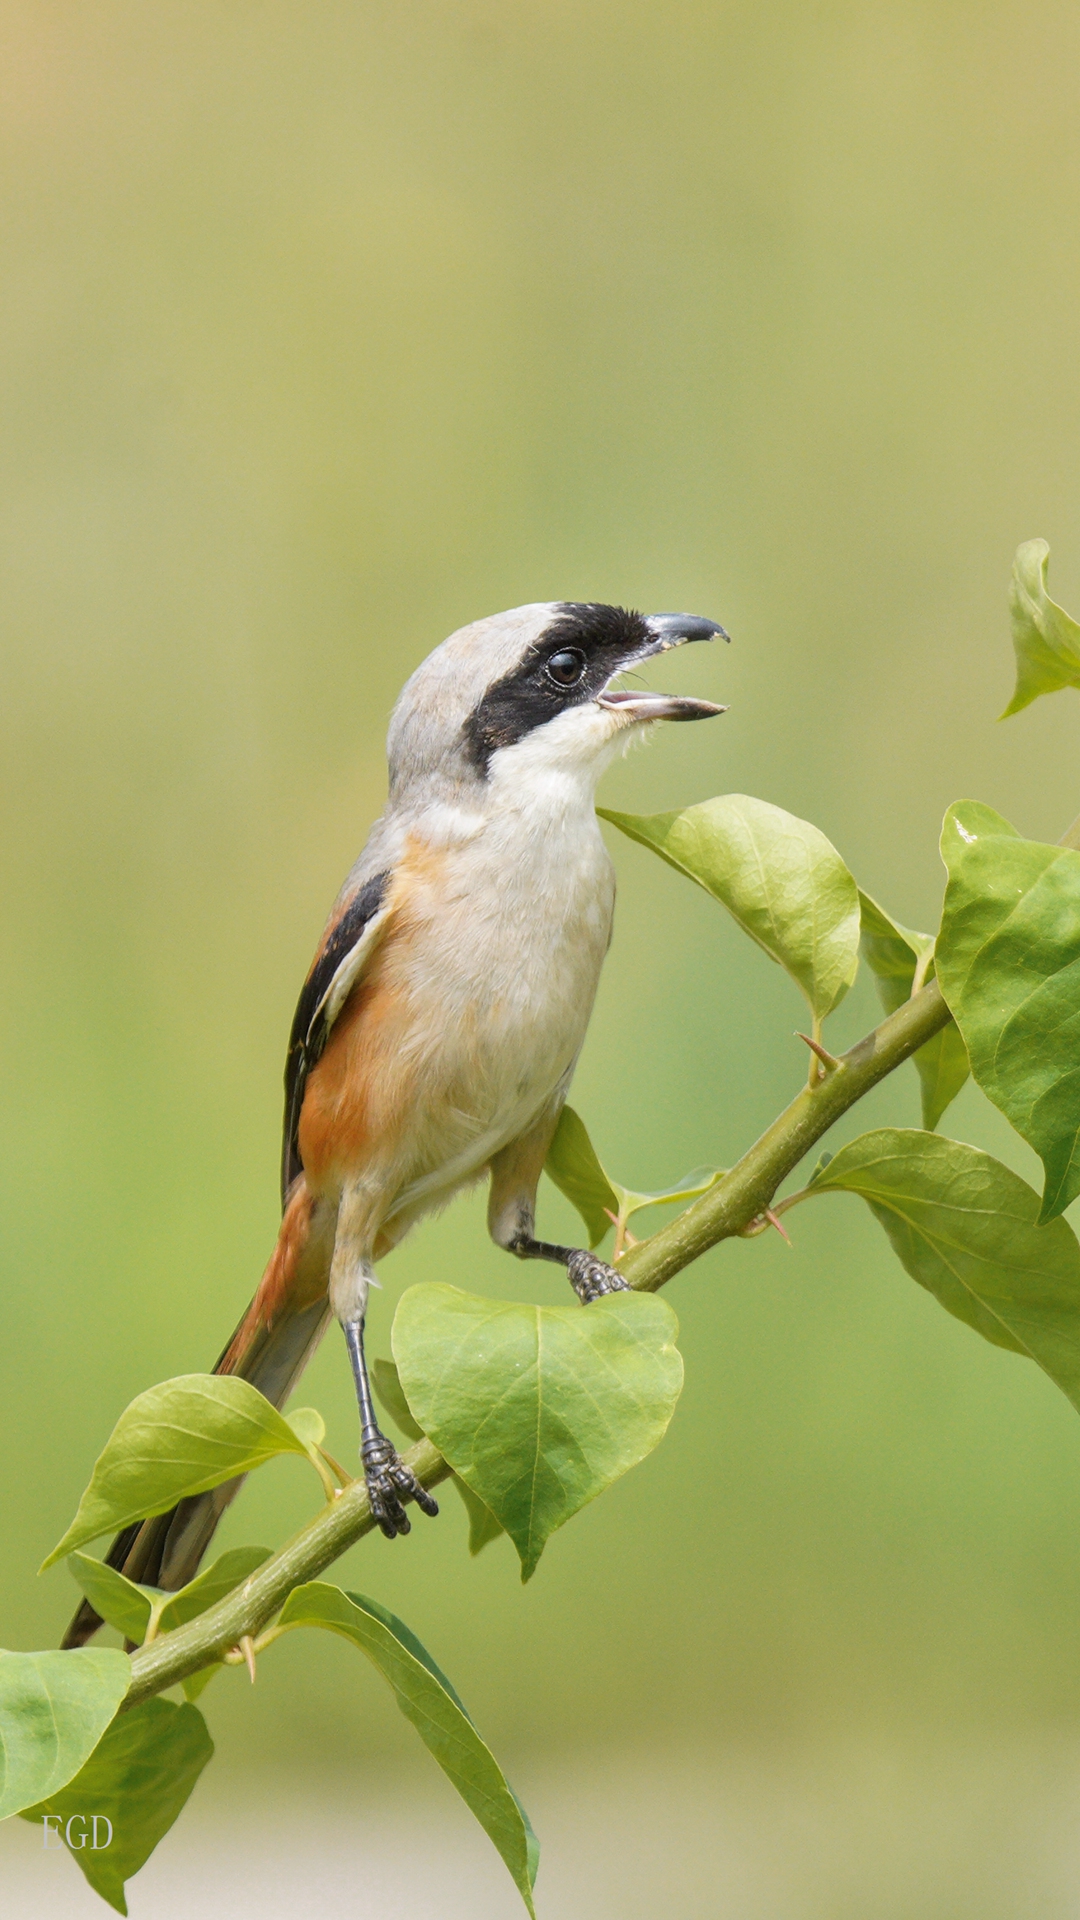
pixel 412 1490
pixel 390 1483
pixel 387 1508
pixel 591 1278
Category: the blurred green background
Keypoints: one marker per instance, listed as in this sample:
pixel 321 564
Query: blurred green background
pixel 324 330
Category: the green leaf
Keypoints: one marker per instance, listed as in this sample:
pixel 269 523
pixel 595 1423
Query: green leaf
pixel 183 1437
pixel 138 1778
pixel 483 1526
pixel 943 1068
pixel 1008 959
pixel 308 1425
pixel 128 1606
pixel 1046 641
pixel 210 1586
pixel 573 1165
pixel 785 884
pixel 892 953
pixel 387 1383
pixel 890 950
pixel 119 1600
pixel 966 1228
pixel 426 1697
pixel 54 1708
pixel 538 1408
pixel 696 1182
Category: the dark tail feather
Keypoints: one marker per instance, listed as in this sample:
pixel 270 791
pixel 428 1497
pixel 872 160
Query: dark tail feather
pixel 270 1348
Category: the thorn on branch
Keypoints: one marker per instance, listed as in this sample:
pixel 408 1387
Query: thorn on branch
pixel 242 1654
pixel 761 1224
pixel 828 1060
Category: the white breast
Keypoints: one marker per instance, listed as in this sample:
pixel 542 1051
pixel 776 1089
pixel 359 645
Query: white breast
pixel 511 929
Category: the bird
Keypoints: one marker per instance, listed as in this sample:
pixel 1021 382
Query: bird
pixel 441 1021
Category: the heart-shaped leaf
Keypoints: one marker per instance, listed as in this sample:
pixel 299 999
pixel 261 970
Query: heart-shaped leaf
pixel 180 1438
pixel 54 1708
pixel 892 953
pixel 426 1697
pixel 538 1408
pixel 483 1526
pixel 966 1228
pixel 138 1780
pixel 1008 960
pixel 1046 641
pixel 779 877
pixel 572 1163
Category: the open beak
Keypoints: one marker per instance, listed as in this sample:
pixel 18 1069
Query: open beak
pixel 667 630
pixel 658 706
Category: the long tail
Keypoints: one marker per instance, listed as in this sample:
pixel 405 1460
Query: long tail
pixel 271 1347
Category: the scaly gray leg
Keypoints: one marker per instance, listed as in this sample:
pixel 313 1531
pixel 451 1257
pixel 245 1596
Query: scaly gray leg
pixel 589 1277
pixel 389 1481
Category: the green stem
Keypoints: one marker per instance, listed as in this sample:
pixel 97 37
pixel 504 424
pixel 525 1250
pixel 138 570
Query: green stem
pixel 174 1655
pixel 721 1213
pixel 780 1207
pixel 157 1608
pixel 815 1071
pixel 748 1189
pixel 922 967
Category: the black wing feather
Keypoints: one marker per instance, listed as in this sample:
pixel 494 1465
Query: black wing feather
pixel 309 1028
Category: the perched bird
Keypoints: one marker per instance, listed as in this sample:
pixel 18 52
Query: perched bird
pixel 444 1012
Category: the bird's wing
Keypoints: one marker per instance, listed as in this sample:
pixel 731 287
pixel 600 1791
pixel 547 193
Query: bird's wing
pixel 354 932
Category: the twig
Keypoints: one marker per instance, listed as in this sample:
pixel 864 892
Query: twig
pixel 174 1655
pixel 743 1195
pixel 748 1189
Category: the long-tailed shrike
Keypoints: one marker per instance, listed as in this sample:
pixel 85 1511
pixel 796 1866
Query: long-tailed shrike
pixel 446 1007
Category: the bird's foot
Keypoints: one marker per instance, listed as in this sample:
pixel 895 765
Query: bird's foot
pixel 590 1277
pixel 389 1484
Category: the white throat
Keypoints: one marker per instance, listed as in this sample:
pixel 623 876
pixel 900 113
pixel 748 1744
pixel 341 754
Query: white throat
pixel 556 767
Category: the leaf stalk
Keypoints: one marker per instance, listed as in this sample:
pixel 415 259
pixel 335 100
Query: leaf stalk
pixel 742 1196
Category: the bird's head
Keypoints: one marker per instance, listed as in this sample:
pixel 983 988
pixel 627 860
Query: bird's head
pixel 532 691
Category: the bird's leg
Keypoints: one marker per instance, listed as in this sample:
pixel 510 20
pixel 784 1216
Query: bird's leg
pixel 389 1481
pixel 589 1277
pixel 515 1175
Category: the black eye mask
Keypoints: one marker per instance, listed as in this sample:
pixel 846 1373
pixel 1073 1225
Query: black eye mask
pixel 602 640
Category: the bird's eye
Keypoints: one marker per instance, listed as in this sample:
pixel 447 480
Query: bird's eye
pixel 566 667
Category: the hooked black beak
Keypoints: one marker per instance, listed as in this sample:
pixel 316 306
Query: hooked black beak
pixel 667 630
pixel 675 629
